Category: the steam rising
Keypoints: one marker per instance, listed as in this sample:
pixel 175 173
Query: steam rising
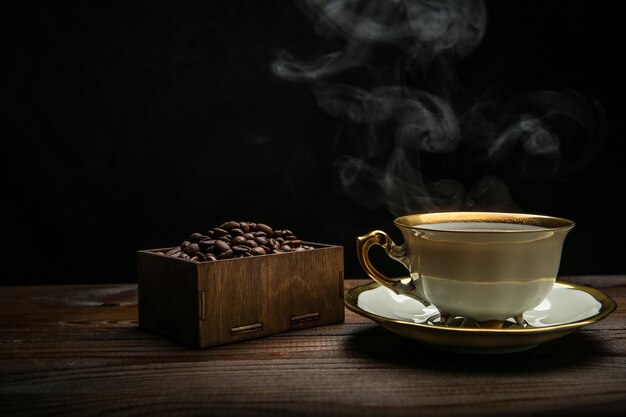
pixel 423 121
pixel 423 29
pixel 534 135
pixel 540 134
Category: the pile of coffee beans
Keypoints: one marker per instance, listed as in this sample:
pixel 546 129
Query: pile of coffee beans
pixel 236 240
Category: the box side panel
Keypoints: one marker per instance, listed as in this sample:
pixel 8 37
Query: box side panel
pixel 254 297
pixel 168 297
pixel 314 295
pixel 234 302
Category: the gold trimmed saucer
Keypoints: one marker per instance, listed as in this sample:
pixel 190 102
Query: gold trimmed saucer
pixel 567 307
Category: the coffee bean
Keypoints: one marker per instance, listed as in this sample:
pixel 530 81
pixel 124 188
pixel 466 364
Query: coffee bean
pixel 229 225
pixel 238 240
pixel 248 236
pixel 185 243
pixel 196 237
pixel 290 237
pixel 280 240
pixel 224 238
pixel 295 242
pixel 260 234
pixel 236 232
pixel 274 243
pixel 191 249
pixel 195 258
pixel 257 251
pixel 226 255
pixel 261 240
pixel 241 249
pixel 219 232
pixel 185 256
pixel 211 257
pixel 173 252
pixel 286 248
pixel 206 243
pixel 210 233
pixel 299 249
pixel 245 227
pixel 264 228
pixel 220 247
pixel 200 256
pixel 251 243
pixel 267 249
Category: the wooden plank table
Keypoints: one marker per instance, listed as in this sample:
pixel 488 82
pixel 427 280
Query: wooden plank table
pixel 76 350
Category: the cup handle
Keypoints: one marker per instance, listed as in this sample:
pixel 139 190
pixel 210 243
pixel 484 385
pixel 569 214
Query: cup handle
pixel 395 252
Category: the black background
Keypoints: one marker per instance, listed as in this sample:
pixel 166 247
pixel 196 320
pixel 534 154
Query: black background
pixel 129 125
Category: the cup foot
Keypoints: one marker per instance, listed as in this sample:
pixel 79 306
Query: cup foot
pixel 447 320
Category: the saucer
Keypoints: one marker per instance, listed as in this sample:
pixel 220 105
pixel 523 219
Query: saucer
pixel 567 307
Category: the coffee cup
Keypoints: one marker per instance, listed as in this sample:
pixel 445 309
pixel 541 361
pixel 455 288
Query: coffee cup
pixel 483 266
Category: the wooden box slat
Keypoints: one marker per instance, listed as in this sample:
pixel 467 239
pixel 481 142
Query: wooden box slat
pixel 206 304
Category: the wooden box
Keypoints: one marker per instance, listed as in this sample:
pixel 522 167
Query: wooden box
pixel 205 304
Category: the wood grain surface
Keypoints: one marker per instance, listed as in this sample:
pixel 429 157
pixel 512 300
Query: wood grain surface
pixel 77 350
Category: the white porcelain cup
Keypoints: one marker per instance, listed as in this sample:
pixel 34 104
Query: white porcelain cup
pixel 484 266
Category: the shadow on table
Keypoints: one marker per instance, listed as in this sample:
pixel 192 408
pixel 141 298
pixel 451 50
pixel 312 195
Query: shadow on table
pixel 378 344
